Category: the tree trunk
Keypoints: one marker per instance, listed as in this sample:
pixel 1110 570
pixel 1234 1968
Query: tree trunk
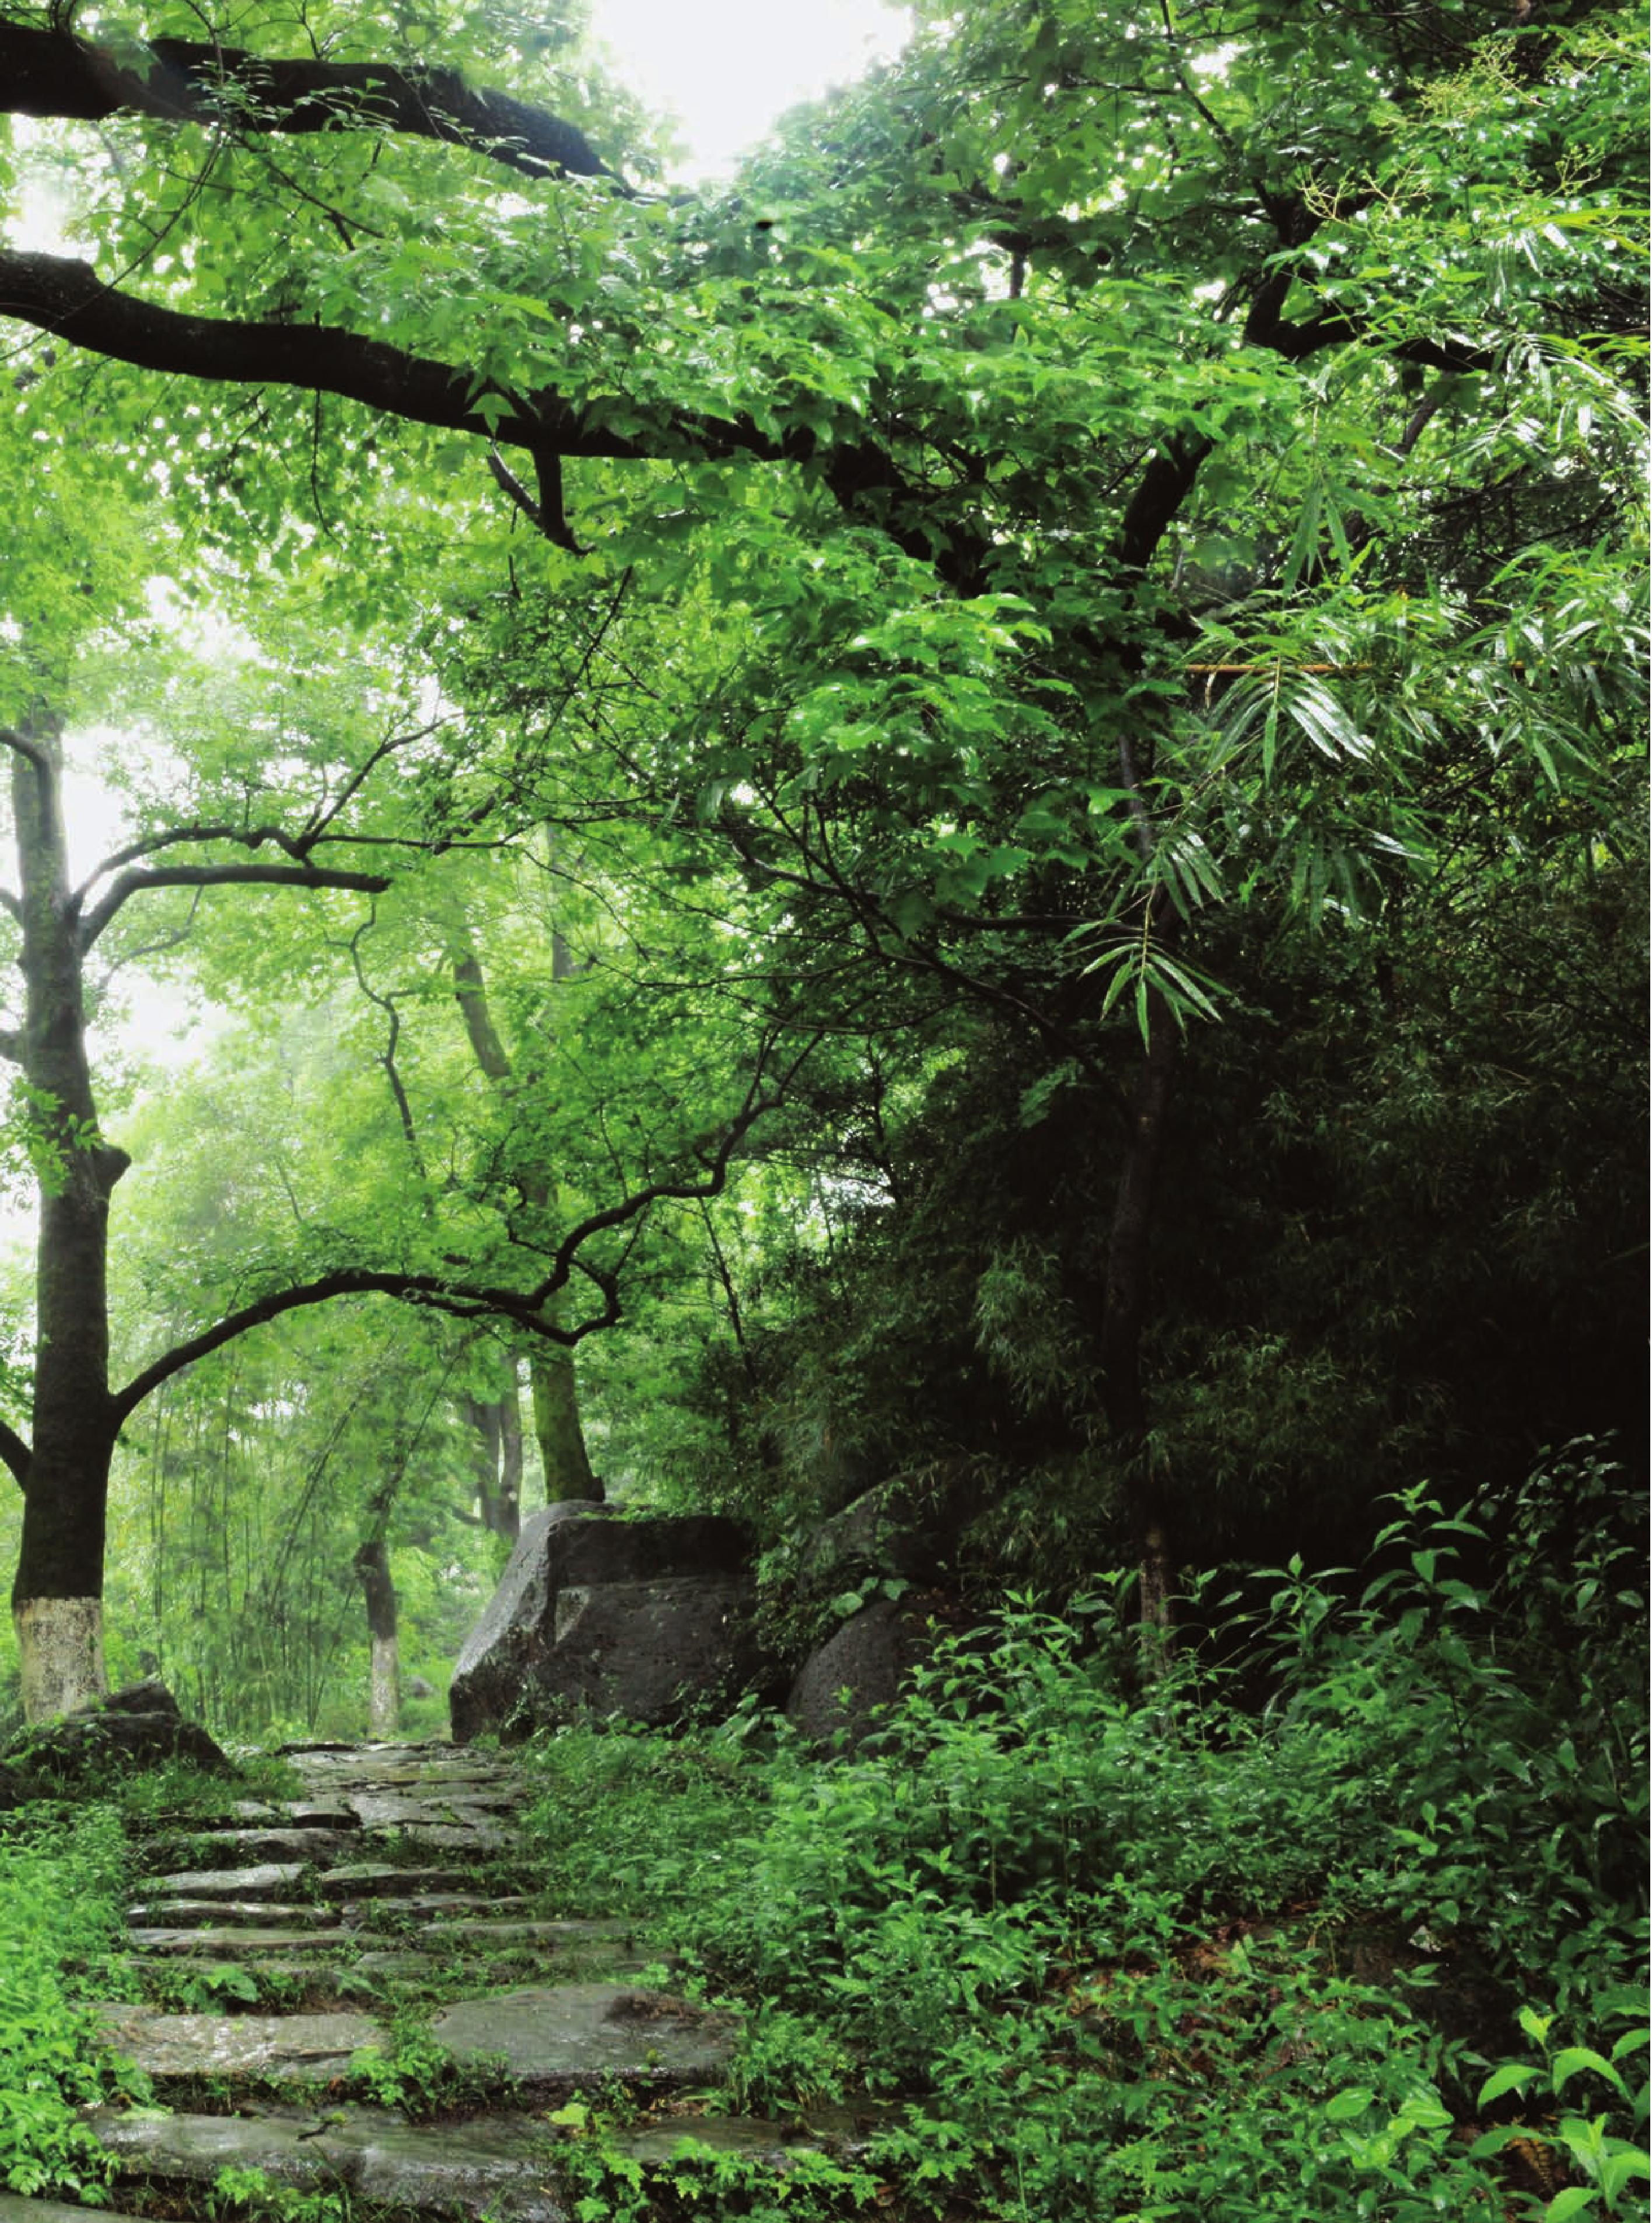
pixel 497 1422
pixel 551 1372
pixel 1124 1311
pixel 510 1460
pixel 556 1425
pixel 57 1598
pixel 384 1703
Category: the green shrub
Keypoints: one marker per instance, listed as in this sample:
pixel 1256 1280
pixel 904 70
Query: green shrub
pixel 60 1923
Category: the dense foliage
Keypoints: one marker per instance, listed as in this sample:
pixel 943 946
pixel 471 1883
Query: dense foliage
pixel 971 809
pixel 1183 1954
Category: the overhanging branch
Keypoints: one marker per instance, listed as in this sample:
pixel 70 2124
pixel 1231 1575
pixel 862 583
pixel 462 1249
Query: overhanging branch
pixel 67 298
pixel 526 1309
pixel 131 883
pixel 49 73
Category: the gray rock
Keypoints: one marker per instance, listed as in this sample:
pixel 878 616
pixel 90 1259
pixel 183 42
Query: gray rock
pixel 231 1913
pixel 495 2166
pixel 237 1945
pixel 248 2048
pixel 857 1671
pixel 843 2132
pixel 583 2033
pixel 138 1727
pixel 270 1844
pixel 383 1879
pixel 270 1880
pixel 597 1614
pixel 907 1526
pixel 14 2208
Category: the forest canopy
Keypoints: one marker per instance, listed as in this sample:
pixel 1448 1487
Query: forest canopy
pixel 974 806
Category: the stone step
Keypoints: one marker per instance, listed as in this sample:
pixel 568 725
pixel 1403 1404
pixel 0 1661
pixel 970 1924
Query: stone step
pixel 496 2165
pixel 265 1880
pixel 243 1945
pixel 386 1879
pixel 14 2208
pixel 556 2035
pixel 439 1906
pixel 296 1814
pixel 280 1845
pixel 500 2165
pixel 236 1913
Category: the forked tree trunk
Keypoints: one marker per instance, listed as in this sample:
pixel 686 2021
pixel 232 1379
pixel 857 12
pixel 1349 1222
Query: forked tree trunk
pixel 57 1596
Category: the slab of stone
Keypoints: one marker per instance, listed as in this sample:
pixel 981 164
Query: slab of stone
pixel 392 1809
pixel 495 2165
pixel 237 1944
pixel 548 1936
pixel 229 1913
pixel 441 1906
pixel 461 1837
pixel 320 1814
pixel 14 2208
pixel 267 1880
pixel 265 2049
pixel 581 2034
pixel 844 2131
pixel 384 1879
pixel 274 1844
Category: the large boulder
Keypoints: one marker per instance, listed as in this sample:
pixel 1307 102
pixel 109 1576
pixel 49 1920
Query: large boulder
pixel 909 1528
pixel 860 1671
pixel 138 1727
pixel 598 1615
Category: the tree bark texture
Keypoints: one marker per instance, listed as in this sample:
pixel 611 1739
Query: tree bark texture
pixel 52 72
pixel 496 1423
pixel 384 1698
pixel 556 1421
pixel 56 1598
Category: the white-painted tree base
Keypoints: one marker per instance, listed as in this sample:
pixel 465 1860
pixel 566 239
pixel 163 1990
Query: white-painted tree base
pixel 59 1654
pixel 383 1698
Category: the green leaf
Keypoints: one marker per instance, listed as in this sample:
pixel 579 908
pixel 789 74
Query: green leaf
pixel 1346 2105
pixel 1571 2201
pixel 1571 2059
pixel 1512 2076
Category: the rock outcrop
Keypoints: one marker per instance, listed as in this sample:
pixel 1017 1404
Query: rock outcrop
pixel 860 1669
pixel 597 1614
pixel 137 1727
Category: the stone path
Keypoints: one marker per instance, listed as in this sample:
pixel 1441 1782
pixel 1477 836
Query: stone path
pixel 385 1906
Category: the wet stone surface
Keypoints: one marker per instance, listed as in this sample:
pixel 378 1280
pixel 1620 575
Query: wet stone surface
pixel 526 2004
pixel 496 2165
pixel 583 2033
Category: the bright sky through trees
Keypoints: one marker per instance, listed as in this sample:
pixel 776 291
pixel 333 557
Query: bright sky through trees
pixel 727 68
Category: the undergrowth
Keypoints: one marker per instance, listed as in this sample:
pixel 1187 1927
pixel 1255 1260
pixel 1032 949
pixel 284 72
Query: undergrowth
pixel 1344 1916
pixel 61 1872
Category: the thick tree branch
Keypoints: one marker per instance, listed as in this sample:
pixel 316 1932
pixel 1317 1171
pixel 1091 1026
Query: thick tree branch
pixel 129 884
pixel 245 837
pixel 14 1455
pixel 67 298
pixel 50 72
pixel 481 1300
pixel 22 745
